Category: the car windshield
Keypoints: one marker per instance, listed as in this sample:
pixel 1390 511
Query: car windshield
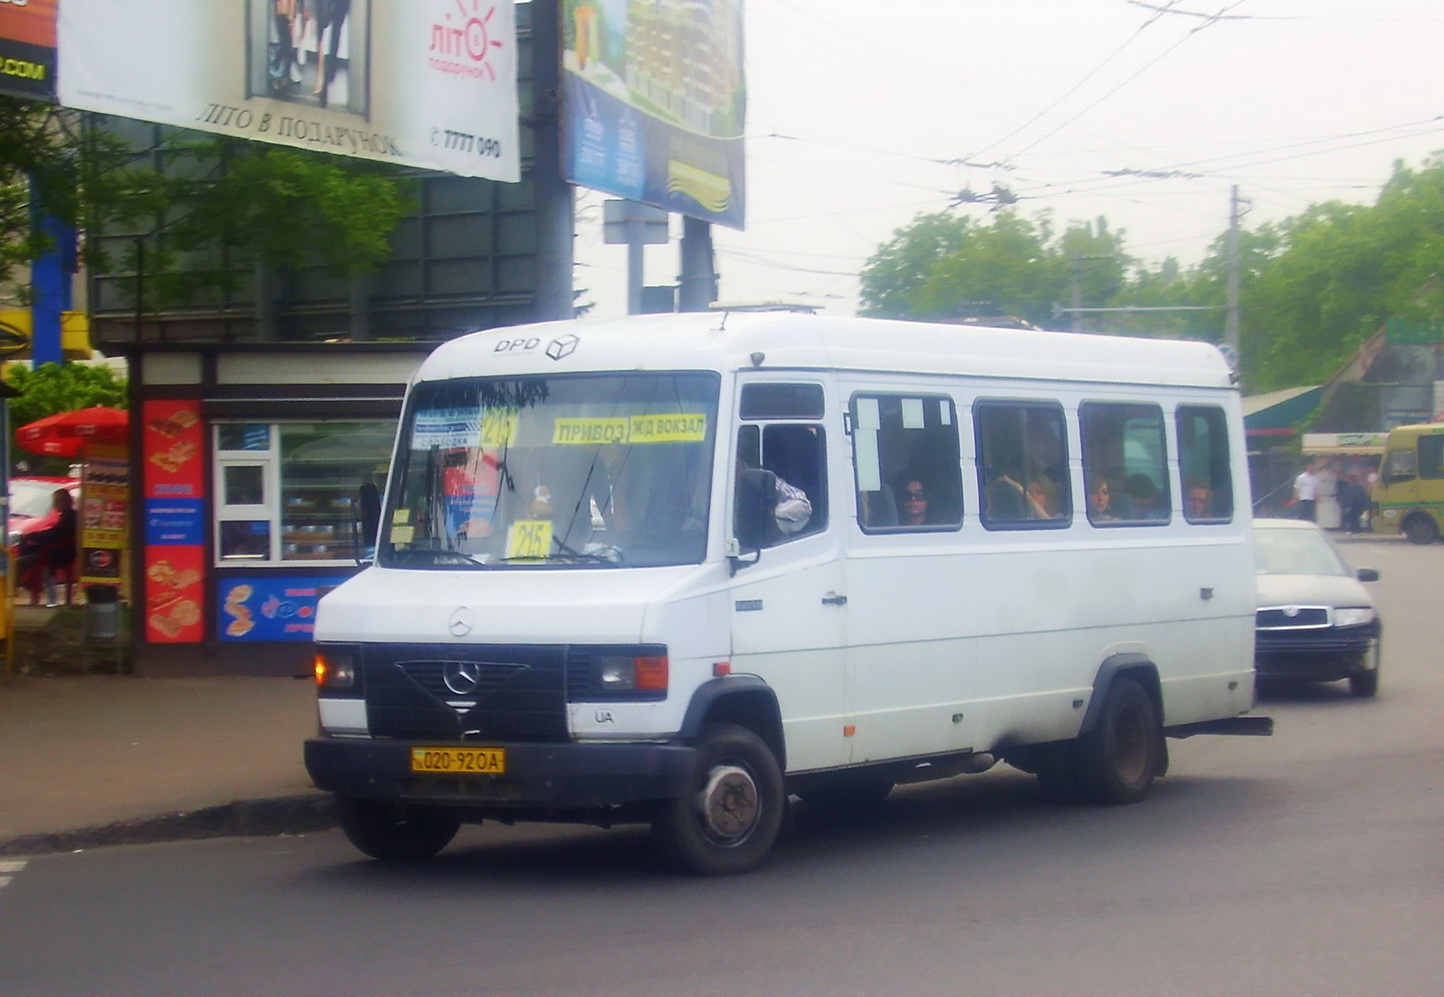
pixel 1296 552
pixel 600 470
pixel 31 499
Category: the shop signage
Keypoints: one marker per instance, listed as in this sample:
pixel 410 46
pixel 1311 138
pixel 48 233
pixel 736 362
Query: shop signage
pixel 172 462
pixel 104 515
pixel 270 606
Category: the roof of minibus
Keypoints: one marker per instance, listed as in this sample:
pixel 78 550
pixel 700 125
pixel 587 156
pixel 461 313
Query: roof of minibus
pixel 729 341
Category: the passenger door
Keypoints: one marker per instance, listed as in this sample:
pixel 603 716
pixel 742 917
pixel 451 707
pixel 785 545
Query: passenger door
pixel 789 607
pixel 911 626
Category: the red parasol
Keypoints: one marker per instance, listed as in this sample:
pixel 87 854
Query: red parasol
pixel 65 434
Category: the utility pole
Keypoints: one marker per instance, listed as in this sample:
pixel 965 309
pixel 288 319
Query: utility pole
pixel 1230 322
pixel 1075 269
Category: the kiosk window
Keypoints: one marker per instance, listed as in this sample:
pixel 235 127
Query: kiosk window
pixel 905 458
pixel 1125 464
pixel 1203 459
pixel 1022 465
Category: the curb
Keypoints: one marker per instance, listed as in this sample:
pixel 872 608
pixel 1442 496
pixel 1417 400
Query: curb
pixel 238 819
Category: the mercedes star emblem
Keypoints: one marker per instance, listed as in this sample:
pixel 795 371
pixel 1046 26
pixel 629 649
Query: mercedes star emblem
pixel 461 622
pixel 461 677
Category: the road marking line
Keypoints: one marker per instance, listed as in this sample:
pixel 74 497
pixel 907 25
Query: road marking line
pixel 11 866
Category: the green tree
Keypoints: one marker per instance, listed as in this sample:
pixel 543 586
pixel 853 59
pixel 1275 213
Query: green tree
pixel 52 388
pixel 218 206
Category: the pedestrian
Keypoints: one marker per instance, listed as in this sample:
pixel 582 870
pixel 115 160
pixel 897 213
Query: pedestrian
pixel 1353 501
pixel 1306 492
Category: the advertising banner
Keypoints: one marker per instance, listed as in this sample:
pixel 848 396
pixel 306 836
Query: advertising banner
pixel 104 515
pixel 427 83
pixel 173 465
pixel 270 607
pixel 654 103
pixel 27 48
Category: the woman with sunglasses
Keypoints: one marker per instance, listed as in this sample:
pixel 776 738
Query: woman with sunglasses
pixel 914 503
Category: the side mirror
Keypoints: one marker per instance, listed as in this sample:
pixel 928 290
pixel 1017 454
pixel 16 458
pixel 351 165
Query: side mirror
pixel 1367 575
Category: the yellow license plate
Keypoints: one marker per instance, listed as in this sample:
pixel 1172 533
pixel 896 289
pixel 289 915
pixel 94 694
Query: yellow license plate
pixel 459 761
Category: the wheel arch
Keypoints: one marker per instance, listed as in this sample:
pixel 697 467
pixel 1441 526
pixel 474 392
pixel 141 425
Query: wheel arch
pixel 744 700
pixel 1126 664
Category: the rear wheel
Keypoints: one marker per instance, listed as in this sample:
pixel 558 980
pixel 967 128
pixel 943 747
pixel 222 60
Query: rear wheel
pixel 1116 762
pixel 1420 529
pixel 391 832
pixel 731 811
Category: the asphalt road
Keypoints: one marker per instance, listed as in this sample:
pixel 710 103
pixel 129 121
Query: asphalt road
pixel 1304 864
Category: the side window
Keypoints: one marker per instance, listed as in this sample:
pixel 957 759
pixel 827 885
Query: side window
pixel 1125 464
pixel 781 483
pixel 1203 459
pixel 1022 465
pixel 905 457
pixel 1400 465
pixel 1431 456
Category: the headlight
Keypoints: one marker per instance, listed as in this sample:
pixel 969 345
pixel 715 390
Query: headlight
pixel 622 673
pixel 335 669
pixel 1353 617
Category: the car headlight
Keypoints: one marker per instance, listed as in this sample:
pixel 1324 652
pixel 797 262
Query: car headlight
pixel 1353 617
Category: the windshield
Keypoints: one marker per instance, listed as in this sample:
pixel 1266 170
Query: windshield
pixel 599 470
pixel 1296 552
pixel 30 499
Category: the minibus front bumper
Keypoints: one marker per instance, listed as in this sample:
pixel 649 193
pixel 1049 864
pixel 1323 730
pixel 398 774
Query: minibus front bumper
pixel 545 776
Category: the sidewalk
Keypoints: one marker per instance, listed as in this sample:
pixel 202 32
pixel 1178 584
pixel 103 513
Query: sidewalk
pixel 107 759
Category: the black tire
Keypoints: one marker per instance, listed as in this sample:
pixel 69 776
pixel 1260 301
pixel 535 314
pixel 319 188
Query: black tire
pixel 1365 685
pixel 1116 762
pixel 391 832
pixel 1420 529
pixel 731 812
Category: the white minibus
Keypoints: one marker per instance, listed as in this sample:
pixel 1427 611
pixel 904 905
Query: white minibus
pixel 679 569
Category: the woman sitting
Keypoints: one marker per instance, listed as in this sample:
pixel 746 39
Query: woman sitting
pixel 49 549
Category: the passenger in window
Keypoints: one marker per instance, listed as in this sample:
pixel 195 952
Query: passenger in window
pixel 1100 500
pixel 1200 501
pixel 1145 497
pixel 913 501
pixel 1041 498
pixel 1006 498
pixel 768 508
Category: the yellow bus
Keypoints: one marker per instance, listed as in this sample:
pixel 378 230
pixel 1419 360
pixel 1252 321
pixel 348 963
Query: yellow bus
pixel 1410 494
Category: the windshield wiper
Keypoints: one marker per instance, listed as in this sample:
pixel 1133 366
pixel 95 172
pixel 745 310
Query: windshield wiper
pixel 435 555
pixel 566 555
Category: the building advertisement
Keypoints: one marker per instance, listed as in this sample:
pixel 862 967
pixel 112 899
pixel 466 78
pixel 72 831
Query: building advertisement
pixel 173 466
pixel 654 103
pixel 27 48
pixel 270 606
pixel 426 83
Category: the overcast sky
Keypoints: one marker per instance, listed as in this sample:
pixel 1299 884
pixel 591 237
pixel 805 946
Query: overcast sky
pixel 863 114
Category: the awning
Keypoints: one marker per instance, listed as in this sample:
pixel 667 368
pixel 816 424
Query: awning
pixel 1279 412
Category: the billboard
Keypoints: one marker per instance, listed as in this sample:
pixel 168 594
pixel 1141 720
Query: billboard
pixel 654 103
pixel 27 48
pixel 425 83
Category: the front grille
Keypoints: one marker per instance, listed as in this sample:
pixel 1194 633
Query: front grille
pixel 1293 617
pixel 432 676
pixel 520 693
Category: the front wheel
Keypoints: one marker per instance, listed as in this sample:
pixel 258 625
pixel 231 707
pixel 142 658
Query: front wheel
pixel 391 832
pixel 1420 529
pixel 728 816
pixel 1117 761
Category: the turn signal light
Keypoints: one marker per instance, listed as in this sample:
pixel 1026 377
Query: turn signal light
pixel 334 671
